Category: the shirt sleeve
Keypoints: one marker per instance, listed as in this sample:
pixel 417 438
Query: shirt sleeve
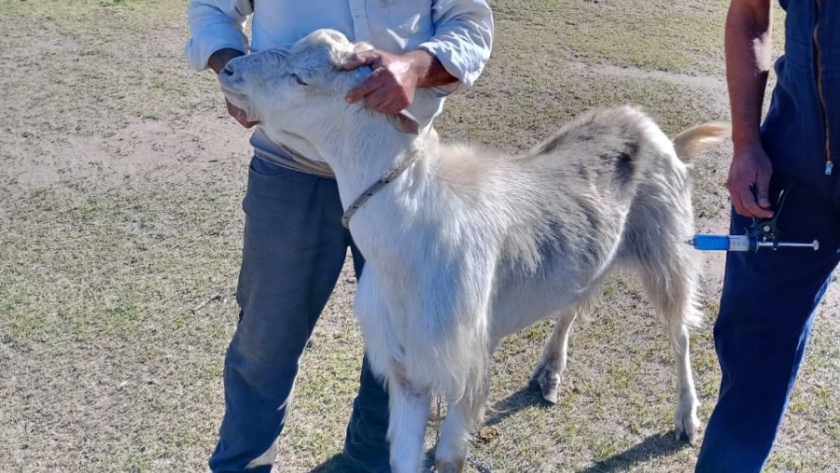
pixel 215 25
pixel 463 37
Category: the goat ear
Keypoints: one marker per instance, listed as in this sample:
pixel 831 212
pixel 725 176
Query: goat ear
pixel 405 122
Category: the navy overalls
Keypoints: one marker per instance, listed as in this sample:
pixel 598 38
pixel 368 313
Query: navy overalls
pixel 769 298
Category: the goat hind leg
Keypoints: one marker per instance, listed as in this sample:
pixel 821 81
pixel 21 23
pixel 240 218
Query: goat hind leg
pixel 546 376
pixel 686 423
pixel 674 299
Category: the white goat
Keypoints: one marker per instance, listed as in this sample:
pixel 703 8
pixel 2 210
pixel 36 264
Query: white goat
pixel 467 245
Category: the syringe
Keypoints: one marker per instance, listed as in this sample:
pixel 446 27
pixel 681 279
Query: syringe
pixel 705 242
pixel 762 234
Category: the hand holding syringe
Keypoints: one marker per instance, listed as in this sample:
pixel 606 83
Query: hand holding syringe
pixel 762 234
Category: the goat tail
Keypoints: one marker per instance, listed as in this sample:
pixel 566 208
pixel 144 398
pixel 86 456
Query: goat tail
pixel 691 141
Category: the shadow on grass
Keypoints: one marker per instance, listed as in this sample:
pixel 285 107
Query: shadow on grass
pixel 514 403
pixel 658 445
pixel 654 446
pixel 336 464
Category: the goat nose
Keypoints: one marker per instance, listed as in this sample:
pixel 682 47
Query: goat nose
pixel 228 69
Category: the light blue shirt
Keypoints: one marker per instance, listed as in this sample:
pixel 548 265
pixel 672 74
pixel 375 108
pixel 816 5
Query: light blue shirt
pixel 458 32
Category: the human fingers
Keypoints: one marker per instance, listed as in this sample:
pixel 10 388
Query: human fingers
pixel 762 190
pixel 740 202
pixel 361 58
pixel 743 198
pixel 368 86
pixel 387 100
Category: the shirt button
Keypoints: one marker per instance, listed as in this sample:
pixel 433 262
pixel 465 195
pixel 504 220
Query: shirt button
pixel 357 13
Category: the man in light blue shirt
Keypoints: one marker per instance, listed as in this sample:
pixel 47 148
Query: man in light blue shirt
pixel 294 243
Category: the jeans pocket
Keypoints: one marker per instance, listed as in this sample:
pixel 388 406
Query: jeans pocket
pixel 271 188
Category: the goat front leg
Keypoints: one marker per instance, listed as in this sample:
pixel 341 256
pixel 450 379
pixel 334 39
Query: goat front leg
pixel 409 414
pixel 546 376
pixel 462 420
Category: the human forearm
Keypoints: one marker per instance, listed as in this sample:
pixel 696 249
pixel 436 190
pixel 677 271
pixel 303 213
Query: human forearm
pixel 215 25
pixel 463 38
pixel 748 49
pixel 748 62
pixel 217 37
pixel 428 69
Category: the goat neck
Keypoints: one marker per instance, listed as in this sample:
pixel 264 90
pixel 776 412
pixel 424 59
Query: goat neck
pixel 362 155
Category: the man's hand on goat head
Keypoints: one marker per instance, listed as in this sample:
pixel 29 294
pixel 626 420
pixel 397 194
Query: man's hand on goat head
pixel 218 60
pixel 390 87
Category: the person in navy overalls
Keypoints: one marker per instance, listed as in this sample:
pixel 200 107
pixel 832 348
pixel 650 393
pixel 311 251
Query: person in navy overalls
pixel 769 298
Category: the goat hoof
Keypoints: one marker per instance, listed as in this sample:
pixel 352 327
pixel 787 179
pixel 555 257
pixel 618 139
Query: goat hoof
pixel 687 428
pixel 682 436
pixel 550 395
pixel 546 380
pixel 449 466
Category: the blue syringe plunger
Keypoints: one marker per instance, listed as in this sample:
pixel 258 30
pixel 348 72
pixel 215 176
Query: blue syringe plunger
pixel 723 243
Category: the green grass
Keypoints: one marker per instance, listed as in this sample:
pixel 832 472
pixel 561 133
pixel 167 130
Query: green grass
pixel 662 35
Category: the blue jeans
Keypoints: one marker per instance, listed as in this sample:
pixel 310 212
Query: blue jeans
pixel 767 305
pixel 294 249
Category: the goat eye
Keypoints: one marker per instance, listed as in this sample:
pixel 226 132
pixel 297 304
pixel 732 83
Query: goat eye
pixel 298 79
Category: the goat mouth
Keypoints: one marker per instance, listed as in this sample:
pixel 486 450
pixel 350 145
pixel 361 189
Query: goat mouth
pixel 238 99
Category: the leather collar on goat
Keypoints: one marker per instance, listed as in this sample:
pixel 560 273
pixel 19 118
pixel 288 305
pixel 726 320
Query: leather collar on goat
pixel 376 187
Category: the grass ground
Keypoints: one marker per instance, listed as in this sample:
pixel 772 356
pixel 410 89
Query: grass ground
pixel 120 229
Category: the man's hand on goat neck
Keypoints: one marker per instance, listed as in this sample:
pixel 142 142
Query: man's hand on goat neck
pixel 390 87
pixel 217 62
